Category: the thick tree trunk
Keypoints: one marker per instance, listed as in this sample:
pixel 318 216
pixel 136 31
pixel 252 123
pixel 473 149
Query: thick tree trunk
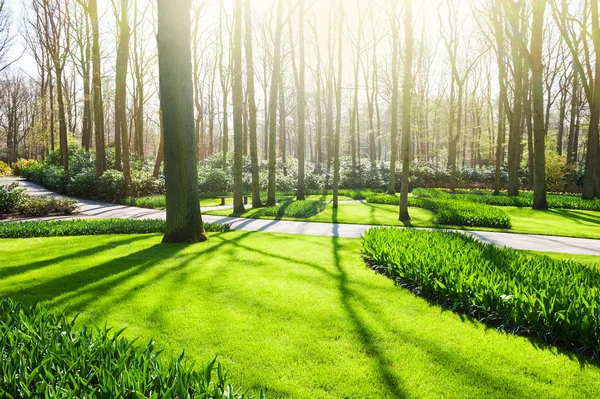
pixel 256 202
pixel 271 200
pixel 537 71
pixel 338 121
pixel 238 110
pixel 62 122
pixel 301 105
pixel 121 95
pixel 394 123
pixel 573 121
pixel 184 221
pixel 406 109
pixel 97 91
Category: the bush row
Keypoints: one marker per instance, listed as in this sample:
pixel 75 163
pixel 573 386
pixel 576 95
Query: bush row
pixel 45 355
pixel 294 209
pixel 553 300
pixel 84 227
pixel 524 199
pixel 451 212
pixel 13 198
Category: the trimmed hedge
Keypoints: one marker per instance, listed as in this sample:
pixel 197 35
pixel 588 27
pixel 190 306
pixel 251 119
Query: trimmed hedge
pixel 84 227
pixel 295 209
pixel 556 301
pixel 451 212
pixel 524 199
pixel 44 205
pixel 44 354
pixel 459 213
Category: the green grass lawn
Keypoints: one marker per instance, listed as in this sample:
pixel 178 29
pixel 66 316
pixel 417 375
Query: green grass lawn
pixel 300 316
pixel 560 222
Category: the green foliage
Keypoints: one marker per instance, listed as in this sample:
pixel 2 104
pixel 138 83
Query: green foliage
pixel 449 211
pixel 556 301
pixel 524 199
pixel 559 173
pixel 459 213
pixel 22 164
pixel 44 205
pixel 44 354
pixel 295 209
pixel 84 227
pixel 152 202
pixel 4 169
pixel 10 197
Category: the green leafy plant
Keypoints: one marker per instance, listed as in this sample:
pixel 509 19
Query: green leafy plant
pixel 295 209
pixel 84 227
pixel 10 197
pixel 45 205
pixel 44 354
pixel 556 301
pixel 5 170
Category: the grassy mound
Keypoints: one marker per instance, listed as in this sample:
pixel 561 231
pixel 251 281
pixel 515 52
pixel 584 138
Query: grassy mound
pixel 554 300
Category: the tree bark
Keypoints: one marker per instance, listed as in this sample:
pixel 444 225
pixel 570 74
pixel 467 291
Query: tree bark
pixel 238 110
pixel 406 110
pixel 394 105
pixel 338 121
pixel 256 202
pixel 184 221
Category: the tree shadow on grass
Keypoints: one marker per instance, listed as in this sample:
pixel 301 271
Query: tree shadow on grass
pixel 16 270
pixel 575 216
pixel 386 373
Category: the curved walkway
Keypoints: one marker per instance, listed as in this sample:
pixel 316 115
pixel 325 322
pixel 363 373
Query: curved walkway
pixel 94 209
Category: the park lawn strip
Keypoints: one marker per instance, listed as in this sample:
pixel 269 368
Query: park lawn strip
pixel 554 222
pixel 300 316
pixel 591 260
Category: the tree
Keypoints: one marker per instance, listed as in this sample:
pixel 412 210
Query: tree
pixel 273 105
pixel 394 105
pixel 238 110
pixel 301 105
pixel 256 201
pixel 338 121
pixel 121 92
pixel 184 221
pixel 406 109
pixel 537 70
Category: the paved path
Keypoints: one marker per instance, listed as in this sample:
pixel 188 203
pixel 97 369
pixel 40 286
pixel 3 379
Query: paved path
pixel 94 209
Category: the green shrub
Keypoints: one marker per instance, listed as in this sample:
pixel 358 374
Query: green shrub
pixel 22 164
pixel 152 202
pixel 111 186
pixel 452 212
pixel 556 301
pixel 4 169
pixel 10 197
pixel 44 205
pixel 459 213
pixel 86 227
pixel 295 209
pixel 44 354
pixel 524 199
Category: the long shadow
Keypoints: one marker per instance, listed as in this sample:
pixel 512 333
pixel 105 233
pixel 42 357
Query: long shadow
pixel 389 378
pixel 13 271
pixel 570 214
pixel 72 283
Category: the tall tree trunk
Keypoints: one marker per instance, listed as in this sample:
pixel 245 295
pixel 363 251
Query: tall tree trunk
pixel 301 105
pixel 160 155
pixel 238 110
pixel 589 180
pixel 338 121
pixel 561 120
pixel 122 63
pixel 514 139
pixel 573 115
pixel 537 71
pixel 282 115
pixel 406 109
pixel 62 122
pixel 184 221
pixel 271 200
pixel 97 90
pixel 256 202
pixel 394 123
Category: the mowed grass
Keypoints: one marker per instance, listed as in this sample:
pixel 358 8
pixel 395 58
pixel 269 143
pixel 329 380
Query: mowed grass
pixel 300 316
pixel 557 222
